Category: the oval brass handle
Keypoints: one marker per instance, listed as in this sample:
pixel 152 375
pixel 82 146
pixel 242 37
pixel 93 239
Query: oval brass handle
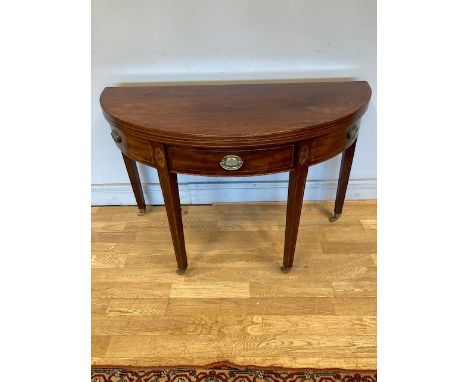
pixel 116 137
pixel 352 132
pixel 231 162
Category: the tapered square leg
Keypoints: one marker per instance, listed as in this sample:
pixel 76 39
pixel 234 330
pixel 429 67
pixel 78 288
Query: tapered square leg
pixel 170 190
pixel 297 182
pixel 134 177
pixel 345 170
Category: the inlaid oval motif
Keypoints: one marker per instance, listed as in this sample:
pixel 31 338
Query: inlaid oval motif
pixel 160 160
pixel 116 137
pixel 303 154
pixel 231 162
pixel 352 132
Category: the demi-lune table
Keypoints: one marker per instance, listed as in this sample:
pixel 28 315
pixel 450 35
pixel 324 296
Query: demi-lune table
pixel 236 130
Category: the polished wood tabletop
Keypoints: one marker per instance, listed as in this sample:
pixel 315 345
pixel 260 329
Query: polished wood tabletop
pixel 236 130
pixel 235 115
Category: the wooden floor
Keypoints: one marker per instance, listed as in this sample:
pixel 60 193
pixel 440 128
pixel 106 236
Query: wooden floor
pixel 234 303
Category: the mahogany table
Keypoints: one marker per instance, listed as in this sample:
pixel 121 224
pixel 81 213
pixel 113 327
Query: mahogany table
pixel 236 130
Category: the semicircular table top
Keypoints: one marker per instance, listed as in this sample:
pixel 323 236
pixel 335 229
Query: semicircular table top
pixel 236 114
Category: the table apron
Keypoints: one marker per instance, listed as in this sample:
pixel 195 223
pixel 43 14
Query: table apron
pixel 236 162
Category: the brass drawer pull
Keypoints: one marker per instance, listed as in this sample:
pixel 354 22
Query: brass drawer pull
pixel 231 162
pixel 116 137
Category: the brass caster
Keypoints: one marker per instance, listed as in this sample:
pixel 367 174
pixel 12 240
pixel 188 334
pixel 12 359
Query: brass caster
pixel 285 269
pixel 141 211
pixel 334 218
pixel 181 271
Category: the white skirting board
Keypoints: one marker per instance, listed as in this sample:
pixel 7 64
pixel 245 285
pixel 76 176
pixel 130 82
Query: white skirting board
pixel 221 192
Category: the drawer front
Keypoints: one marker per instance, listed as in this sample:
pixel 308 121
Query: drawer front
pixel 231 162
pixel 132 146
pixel 329 145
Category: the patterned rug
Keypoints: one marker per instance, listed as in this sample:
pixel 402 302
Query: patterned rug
pixel 227 372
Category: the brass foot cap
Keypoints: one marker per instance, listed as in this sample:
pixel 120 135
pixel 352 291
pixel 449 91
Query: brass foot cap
pixel 141 211
pixel 285 269
pixel 181 271
pixel 334 218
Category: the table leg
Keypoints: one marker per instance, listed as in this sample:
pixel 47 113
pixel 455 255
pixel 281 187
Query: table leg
pixel 297 182
pixel 345 170
pixel 132 171
pixel 170 190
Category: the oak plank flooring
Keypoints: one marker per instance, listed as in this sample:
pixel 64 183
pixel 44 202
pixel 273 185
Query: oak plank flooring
pixel 278 345
pixel 299 362
pixel 214 289
pixel 175 325
pixel 129 306
pixel 234 303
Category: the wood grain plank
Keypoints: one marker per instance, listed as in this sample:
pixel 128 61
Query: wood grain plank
pixel 130 306
pixel 370 224
pixel 130 290
pixel 353 233
pixel 365 306
pixel 250 346
pixel 291 289
pixel 113 237
pixel 336 247
pixel 176 325
pixel 272 272
pixel 319 325
pixel 355 288
pixel 108 260
pixel 256 306
pixel 216 289
pixel 209 306
pixel 164 273
pixel 99 345
pixel 106 226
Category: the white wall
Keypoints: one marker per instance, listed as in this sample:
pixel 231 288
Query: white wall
pixel 227 40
